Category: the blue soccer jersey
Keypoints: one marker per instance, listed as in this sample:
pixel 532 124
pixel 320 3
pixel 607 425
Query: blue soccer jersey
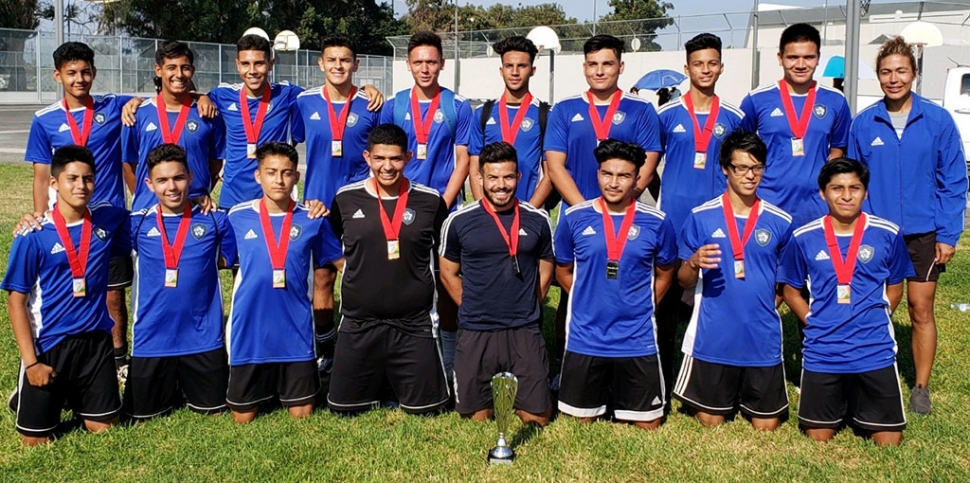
pixel 571 132
pixel 187 318
pixel 435 170
pixel 734 320
pixel 39 267
pixel 50 130
pixel 280 123
pixel 527 142
pixel 790 182
pixel 858 336
pixel 268 324
pixel 326 173
pixel 686 183
pixel 612 317
pixel 203 140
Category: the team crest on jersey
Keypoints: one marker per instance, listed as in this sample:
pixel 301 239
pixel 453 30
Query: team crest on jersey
pixel 99 118
pixel 192 126
pixel 719 130
pixel 198 230
pixel 527 124
pixel 820 111
pixel 762 236
pixel 295 232
pixel 351 119
pixel 865 253
pixel 101 233
pixel 634 232
pixel 439 116
pixel 408 216
pixel 269 107
pixel 619 117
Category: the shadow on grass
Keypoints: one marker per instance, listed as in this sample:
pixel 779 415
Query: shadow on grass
pixel 525 433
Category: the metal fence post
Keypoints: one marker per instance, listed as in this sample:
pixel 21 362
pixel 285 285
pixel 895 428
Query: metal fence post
pixel 121 64
pixel 40 89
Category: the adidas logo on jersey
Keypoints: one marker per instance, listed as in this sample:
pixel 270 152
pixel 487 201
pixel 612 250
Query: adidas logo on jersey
pixel 822 255
pixel 876 142
pixel 680 128
pixel 656 401
pixel 577 118
pixel 491 121
pixel 153 232
pixel 589 231
pixel 358 214
pixel 250 235
pixel 58 248
pixel 315 116
pixel 232 107
pixel 719 233
pixel 64 127
pixel 777 113
pixel 151 127
pixel 407 116
pixel 522 232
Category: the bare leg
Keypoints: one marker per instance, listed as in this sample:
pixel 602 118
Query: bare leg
pixel 920 296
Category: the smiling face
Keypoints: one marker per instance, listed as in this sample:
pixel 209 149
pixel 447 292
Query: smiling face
pixel 844 194
pixel 425 63
pixel 74 185
pixel 499 181
pixel 338 65
pixel 617 179
pixel 896 75
pixel 516 70
pixel 253 68
pixel 176 74
pixel 76 76
pixel 799 61
pixel 170 182
pixel 703 68
pixel 743 174
pixel 602 69
pixel 387 163
pixel 277 175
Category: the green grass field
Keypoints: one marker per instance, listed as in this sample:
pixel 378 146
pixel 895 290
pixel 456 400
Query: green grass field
pixel 386 445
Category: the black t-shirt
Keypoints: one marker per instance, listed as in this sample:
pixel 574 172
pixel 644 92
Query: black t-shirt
pixel 493 296
pixel 377 290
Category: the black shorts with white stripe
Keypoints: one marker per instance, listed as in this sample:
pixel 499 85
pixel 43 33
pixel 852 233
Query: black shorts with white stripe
pixel 157 385
pixel 922 251
pixel 293 383
pixel 636 385
pixel 871 400
pixel 758 392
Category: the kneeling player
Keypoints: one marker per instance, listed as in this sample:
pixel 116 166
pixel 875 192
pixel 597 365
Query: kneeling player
pixel 270 331
pixel 499 249
pixel 730 247
pixel 856 263
pixel 57 278
pixel 178 350
pixel 608 252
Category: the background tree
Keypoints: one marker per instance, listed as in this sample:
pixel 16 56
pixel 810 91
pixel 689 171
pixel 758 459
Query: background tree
pixel 641 18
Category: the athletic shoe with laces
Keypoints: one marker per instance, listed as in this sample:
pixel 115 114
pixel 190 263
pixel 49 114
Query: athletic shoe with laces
pixel 919 400
pixel 324 368
pixel 122 377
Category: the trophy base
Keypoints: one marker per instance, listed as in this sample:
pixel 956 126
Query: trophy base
pixel 501 455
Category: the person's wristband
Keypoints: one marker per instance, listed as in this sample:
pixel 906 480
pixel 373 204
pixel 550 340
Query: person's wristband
pixel 32 365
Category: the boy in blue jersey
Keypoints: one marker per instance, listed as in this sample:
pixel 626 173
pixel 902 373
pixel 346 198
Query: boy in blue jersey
pixel 913 149
pixel 57 279
pixel 270 329
pixel 177 333
pixel 803 123
pixel 515 118
pixel 173 118
pixel 612 275
pixel 729 249
pixel 854 264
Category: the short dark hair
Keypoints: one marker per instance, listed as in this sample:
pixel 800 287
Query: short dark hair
pixel 388 134
pixel 339 40
pixel 71 51
pixel 745 141
pixel 614 149
pixel 701 42
pixel 173 49
pixel 71 153
pixel 166 153
pixel 424 38
pixel 600 42
pixel 274 148
pixel 254 42
pixel 500 152
pixel 800 32
pixel 517 43
pixel 839 166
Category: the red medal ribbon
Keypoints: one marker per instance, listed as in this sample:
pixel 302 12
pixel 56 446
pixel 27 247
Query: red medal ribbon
pixel 80 135
pixel 737 243
pixel 337 124
pixel 172 253
pixel 77 259
pixel 392 227
pixel 252 129
pixel 423 127
pixel 844 267
pixel 602 125
pixel 172 136
pixel 615 242
pixel 277 251
pixel 798 124
pixel 702 138
pixel 511 239
pixel 510 131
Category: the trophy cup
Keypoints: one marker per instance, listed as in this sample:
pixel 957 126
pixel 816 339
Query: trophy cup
pixel 504 387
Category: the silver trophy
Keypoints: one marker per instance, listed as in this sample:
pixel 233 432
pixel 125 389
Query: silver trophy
pixel 504 387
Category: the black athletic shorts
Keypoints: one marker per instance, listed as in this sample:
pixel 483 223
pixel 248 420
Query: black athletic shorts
pixel 411 365
pixel 293 383
pixel 636 385
pixel 157 385
pixel 922 251
pixel 121 271
pixel 85 378
pixel 758 392
pixel 482 354
pixel 872 400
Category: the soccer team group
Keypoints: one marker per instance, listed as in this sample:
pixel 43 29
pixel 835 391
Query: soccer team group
pixel 785 199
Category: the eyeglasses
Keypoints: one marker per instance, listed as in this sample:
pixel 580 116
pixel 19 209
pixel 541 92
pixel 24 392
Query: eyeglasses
pixel 743 170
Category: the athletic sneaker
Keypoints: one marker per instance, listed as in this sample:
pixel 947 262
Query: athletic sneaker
pixel 919 400
pixel 324 368
pixel 122 377
pixel 12 401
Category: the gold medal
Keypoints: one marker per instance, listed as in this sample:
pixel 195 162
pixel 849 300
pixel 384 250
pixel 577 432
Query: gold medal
pixel 797 147
pixel 336 148
pixel 79 287
pixel 700 160
pixel 842 294
pixel 171 277
pixel 422 151
pixel 393 250
pixel 739 269
pixel 279 278
pixel 251 150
